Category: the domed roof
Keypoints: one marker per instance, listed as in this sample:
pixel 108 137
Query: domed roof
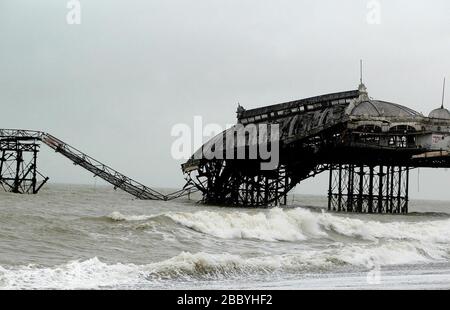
pixel 382 108
pixel 441 113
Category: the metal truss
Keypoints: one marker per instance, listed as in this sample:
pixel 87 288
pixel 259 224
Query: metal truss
pixel 18 166
pixel 17 179
pixel 117 179
pixel 242 183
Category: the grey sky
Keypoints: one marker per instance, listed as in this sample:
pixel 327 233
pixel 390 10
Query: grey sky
pixel 116 84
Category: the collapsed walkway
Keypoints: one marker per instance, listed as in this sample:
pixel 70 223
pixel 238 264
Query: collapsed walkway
pixel 19 176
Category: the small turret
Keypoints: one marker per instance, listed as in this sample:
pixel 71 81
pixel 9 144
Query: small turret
pixel 362 90
pixel 441 113
pixel 363 94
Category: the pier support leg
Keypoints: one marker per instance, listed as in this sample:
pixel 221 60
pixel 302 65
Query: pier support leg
pixel 380 189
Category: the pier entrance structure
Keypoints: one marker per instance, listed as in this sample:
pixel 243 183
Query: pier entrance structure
pixel 367 146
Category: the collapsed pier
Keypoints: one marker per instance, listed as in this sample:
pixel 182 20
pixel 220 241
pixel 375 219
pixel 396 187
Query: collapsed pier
pixel 19 174
pixel 367 146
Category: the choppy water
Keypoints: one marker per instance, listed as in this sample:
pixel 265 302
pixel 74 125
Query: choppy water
pixel 71 237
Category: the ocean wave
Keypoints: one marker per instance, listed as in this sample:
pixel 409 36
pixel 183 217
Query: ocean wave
pixel 300 224
pixel 88 274
pixel 93 273
pixel 434 231
pixel 119 217
pixel 297 224
pixel 275 225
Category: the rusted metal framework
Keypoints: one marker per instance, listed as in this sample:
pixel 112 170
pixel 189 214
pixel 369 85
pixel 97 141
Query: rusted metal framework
pixel 238 183
pixel 367 145
pixel 98 169
pixel 19 174
pixel 18 166
pixel 242 183
pixel 308 129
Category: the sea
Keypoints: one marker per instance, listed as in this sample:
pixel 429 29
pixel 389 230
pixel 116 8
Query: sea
pixel 93 237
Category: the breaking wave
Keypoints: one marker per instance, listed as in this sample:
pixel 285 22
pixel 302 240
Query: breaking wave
pixel 298 225
pixel 328 242
pixel 118 217
pixel 93 273
pixel 275 225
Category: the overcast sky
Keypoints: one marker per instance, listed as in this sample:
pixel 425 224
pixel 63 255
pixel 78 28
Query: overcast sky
pixel 115 85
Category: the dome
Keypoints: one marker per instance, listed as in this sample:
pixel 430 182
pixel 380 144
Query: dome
pixel 382 108
pixel 441 113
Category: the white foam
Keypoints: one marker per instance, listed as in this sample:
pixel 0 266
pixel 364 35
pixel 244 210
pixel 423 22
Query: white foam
pixel 93 273
pixel 117 216
pixel 89 274
pixel 437 231
pixel 275 225
pixel 300 224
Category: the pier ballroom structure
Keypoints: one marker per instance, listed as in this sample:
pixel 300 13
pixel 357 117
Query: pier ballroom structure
pixel 367 146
